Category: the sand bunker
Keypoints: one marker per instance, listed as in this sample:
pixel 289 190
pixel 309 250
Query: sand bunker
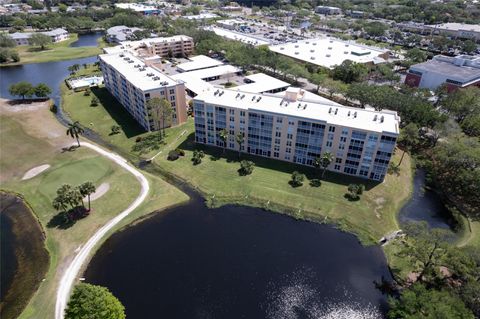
pixel 101 190
pixel 35 171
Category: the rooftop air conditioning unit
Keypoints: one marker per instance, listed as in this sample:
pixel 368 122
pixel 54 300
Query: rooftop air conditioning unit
pixel 296 45
pixel 328 55
pixel 282 48
pixel 296 53
pixel 312 58
pixel 312 51
pixel 329 48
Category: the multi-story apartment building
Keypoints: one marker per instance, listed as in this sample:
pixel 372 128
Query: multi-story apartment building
pixel 287 127
pixel 133 83
pixel 179 45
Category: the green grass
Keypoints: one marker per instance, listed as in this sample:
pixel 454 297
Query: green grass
pixel 22 137
pixel 55 52
pixel 101 118
pixel 217 178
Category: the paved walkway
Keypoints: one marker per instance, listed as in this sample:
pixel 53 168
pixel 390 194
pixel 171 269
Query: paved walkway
pixel 72 271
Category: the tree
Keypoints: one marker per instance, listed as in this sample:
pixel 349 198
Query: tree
pixel 317 79
pixel 349 71
pixel 409 137
pixel 75 130
pixel 240 139
pixel 462 103
pixel 86 189
pixel 162 112
pixel 422 303
pixel 469 46
pixel 361 92
pixel 416 55
pixel 6 41
pixel 40 39
pixel 93 302
pixel 14 56
pixel 246 167
pixel 332 86
pixel 197 157
pixel 223 134
pixel 354 191
pixel 42 90
pixel 325 160
pixel 297 179
pixel 23 89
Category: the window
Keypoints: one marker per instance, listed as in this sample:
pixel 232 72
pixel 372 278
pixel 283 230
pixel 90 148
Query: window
pixel 242 113
pixel 162 93
pixel 172 91
pixel 278 134
pixel 331 129
pixel 276 154
pixel 279 120
pixel 289 136
pixel 343 139
pixel 232 112
pixel 341 146
pixel 345 131
pixel 276 148
pixel 291 123
pixel 289 143
pixel 338 160
pixel 147 95
pixel 173 104
pixel 287 157
pixel 337 167
pixel 172 98
pixel 288 150
pixel 329 144
pixel 277 141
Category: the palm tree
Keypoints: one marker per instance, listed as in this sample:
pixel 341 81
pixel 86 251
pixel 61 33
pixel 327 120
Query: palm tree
pixel 326 159
pixel 224 136
pixel 74 130
pixel 59 203
pixel 317 163
pixel 86 189
pixel 75 197
pixel 240 138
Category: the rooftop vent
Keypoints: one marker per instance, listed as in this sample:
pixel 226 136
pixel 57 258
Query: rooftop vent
pixel 296 52
pixel 130 61
pixel 355 115
pixel 312 58
pixel 236 96
pixel 221 93
pixel 314 43
pixel 216 92
pixel 345 52
pixel 348 113
pixel 312 50
pixel 375 117
pixel 259 98
pixel 305 106
pixel 122 55
pixel 331 41
pixel 282 48
pixel 382 118
pixel 155 78
pixel 336 111
pixel 329 110
pixel 329 48
pixel 347 45
pixel 253 98
pixel 243 95
pixel 328 55
pixel 296 45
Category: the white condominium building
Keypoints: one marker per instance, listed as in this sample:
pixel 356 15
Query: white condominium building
pixel 291 128
pixel 133 83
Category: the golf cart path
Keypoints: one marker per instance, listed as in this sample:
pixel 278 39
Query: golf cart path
pixel 73 269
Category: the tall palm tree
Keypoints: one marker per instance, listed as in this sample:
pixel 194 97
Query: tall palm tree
pixel 59 203
pixel 240 138
pixel 224 136
pixel 74 130
pixel 86 189
pixel 326 159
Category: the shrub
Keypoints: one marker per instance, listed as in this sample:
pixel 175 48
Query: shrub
pixel 297 179
pixel 173 155
pixel 180 152
pixel 354 191
pixel 87 92
pixel 246 167
pixel 115 129
pixel 315 182
pixel 138 139
pixel 94 101
pixel 197 157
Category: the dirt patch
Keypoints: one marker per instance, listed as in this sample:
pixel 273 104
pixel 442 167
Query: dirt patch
pixel 35 171
pixel 101 190
pixel 380 201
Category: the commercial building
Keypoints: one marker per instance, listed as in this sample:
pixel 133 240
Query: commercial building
pixel 291 128
pixel 328 10
pixel 458 30
pixel 237 36
pixel 140 8
pixel 328 52
pixel 456 72
pixel 133 83
pixel 23 38
pixel 262 83
pixel 201 16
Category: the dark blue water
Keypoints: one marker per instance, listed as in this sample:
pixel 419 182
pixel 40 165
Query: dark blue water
pixel 239 262
pixel 87 40
pixel 50 73
pixel 425 205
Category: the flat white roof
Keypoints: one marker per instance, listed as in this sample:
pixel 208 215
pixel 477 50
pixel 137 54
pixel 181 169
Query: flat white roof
pixel 213 72
pixel 130 70
pixel 135 6
pixel 328 52
pixel 363 119
pixel 194 84
pixel 306 95
pixel 262 83
pixel 453 26
pixel 200 16
pixel 237 36
pixel 198 62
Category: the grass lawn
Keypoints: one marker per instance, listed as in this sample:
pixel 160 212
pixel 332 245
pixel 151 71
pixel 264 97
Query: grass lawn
pixel 55 52
pixel 101 118
pixel 24 139
pixel 373 216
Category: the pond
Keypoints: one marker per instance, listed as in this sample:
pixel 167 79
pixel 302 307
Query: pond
pixel 24 259
pixel 239 262
pixel 425 205
pixel 87 40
